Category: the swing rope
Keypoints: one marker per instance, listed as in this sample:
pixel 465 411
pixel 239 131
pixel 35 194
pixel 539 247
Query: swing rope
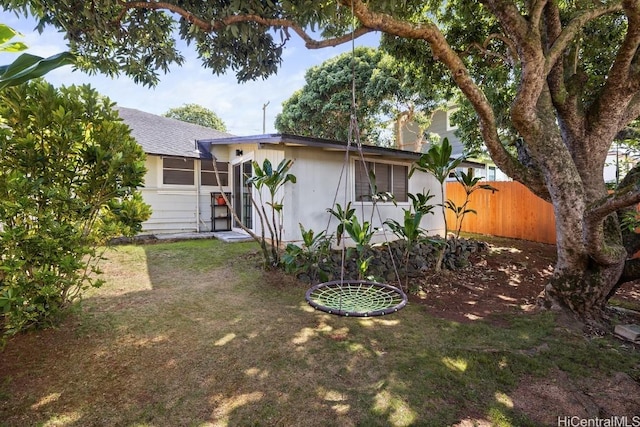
pixel 356 298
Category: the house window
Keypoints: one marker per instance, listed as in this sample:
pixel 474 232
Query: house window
pixel 177 171
pixel 208 174
pixel 388 178
pixel 491 174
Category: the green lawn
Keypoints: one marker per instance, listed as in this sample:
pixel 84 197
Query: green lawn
pixel 196 334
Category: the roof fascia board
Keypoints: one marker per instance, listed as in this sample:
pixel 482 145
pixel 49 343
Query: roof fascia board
pixel 264 141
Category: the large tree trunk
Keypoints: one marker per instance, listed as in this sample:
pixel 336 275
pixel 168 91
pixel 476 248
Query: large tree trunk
pixel 563 139
pixel 591 255
pixel 584 292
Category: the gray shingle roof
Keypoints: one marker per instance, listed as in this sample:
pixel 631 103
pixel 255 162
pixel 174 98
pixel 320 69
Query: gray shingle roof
pixel 169 137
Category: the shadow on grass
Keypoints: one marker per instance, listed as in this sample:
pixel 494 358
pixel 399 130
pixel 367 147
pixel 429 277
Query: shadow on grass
pixel 196 334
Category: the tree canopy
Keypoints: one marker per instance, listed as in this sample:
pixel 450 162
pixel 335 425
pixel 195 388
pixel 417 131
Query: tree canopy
pixel 197 114
pixel 551 84
pixel 383 91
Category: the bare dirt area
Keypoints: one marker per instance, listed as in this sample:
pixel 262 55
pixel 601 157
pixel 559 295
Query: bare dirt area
pixel 507 279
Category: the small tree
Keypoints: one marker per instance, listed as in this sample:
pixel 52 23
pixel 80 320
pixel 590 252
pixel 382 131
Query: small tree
pixel 198 115
pixel 438 162
pixel 273 180
pixel 68 176
pixel 470 185
pixel 410 230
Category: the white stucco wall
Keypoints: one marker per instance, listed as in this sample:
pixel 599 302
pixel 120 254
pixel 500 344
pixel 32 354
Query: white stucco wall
pixel 318 183
pixel 175 207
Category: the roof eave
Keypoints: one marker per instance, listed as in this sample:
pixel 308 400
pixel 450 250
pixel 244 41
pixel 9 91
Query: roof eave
pixel 326 144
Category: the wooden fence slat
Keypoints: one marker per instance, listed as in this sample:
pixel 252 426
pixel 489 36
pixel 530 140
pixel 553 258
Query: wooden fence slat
pixel 513 211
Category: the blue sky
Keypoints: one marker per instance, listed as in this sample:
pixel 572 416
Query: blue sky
pixel 240 106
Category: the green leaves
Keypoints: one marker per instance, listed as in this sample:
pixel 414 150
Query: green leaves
pixel 343 216
pixel 68 175
pixel 316 247
pixel 26 66
pixel 438 162
pixel 6 34
pixel 273 180
pixel 197 114
pixel 323 107
pixel 266 176
pixel 420 202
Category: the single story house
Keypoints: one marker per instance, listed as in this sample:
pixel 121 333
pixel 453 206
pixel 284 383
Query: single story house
pixel 325 176
pixel 180 177
pixel 183 191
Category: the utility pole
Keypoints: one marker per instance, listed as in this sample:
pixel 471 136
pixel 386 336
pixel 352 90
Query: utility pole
pixel 264 117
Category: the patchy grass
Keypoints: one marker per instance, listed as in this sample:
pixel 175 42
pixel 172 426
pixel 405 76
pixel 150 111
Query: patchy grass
pixel 196 334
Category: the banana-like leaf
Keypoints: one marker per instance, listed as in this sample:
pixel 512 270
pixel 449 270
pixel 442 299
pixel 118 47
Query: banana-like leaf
pixel 27 67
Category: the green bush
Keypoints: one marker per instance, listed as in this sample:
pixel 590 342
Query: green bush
pixel 69 170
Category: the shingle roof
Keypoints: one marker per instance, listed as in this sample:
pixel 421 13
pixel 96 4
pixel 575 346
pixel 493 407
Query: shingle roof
pixel 169 137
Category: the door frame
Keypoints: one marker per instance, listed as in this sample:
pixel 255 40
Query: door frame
pixel 241 197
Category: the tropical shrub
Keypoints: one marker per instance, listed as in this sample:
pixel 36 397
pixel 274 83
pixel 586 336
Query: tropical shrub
pixel 69 172
pixel 470 185
pixel 308 258
pixel 266 177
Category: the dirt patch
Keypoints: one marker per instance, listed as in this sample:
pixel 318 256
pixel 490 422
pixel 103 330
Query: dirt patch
pixel 548 401
pixel 508 279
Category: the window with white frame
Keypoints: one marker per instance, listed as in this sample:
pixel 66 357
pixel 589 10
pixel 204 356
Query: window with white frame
pixel 178 170
pixel 389 178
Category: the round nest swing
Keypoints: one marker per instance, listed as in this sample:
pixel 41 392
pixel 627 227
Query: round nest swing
pixel 356 298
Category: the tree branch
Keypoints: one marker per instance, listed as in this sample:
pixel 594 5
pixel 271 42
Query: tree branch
pixel 628 194
pixel 571 30
pixel 220 24
pixel 621 69
pixel 535 12
pixel 608 113
pixel 633 109
pixel 443 52
pixel 512 52
pixel 514 25
pixel 620 199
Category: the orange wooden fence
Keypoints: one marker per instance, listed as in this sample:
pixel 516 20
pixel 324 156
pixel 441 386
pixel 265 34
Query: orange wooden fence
pixel 512 211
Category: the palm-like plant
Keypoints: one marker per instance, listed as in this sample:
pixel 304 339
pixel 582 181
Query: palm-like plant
pixel 26 66
pixel 470 185
pixel 273 180
pixel 438 162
